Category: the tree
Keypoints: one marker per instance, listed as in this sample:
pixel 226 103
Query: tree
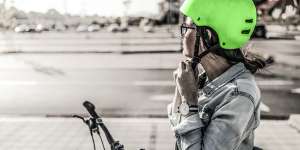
pixel 53 14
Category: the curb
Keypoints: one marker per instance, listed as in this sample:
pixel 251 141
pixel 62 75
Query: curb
pixel 263 116
pixel 294 121
pixel 274 117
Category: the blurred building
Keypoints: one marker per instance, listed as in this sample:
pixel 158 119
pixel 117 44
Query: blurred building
pixel 169 12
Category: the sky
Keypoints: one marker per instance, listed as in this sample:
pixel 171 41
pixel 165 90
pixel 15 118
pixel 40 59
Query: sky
pixel 87 7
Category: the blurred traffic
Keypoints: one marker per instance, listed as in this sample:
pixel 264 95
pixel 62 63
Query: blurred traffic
pixel 273 15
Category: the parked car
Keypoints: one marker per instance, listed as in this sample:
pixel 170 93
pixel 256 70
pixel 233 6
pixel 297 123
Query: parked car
pixel 41 28
pixel 59 27
pixel 22 28
pixel 82 28
pixel 93 28
pixel 124 28
pixel 31 28
pixel 113 28
pixel 260 31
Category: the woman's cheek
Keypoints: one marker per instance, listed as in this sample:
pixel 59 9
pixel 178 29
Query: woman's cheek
pixel 186 50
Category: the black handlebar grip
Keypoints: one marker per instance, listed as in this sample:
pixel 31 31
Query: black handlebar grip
pixel 91 109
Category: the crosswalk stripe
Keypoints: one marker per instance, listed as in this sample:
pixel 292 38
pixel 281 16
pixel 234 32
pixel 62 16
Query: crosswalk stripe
pixel 264 107
pixel 153 83
pixel 13 83
pixel 296 91
pixel 162 97
pixel 274 82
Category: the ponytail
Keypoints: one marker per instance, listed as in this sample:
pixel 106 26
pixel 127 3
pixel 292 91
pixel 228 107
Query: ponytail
pixel 251 61
pixel 255 64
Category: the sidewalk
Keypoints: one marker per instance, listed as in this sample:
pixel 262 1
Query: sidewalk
pixel 277 135
pixel 152 134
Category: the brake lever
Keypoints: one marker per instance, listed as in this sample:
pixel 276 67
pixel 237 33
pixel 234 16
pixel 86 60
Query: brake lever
pixel 79 117
pixel 91 123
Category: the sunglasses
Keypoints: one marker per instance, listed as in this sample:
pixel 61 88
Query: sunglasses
pixel 184 28
pixel 206 33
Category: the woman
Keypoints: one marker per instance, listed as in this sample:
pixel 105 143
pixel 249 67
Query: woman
pixel 217 109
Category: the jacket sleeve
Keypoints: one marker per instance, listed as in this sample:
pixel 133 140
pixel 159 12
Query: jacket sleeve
pixel 228 125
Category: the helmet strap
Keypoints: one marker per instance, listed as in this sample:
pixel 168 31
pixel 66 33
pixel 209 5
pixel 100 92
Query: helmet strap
pixel 238 56
pixel 196 60
pixel 200 32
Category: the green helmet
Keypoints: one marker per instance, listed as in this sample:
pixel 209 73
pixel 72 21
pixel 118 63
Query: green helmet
pixel 233 20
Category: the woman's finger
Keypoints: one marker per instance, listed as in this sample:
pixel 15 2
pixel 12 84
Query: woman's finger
pixel 189 66
pixel 175 74
pixel 182 66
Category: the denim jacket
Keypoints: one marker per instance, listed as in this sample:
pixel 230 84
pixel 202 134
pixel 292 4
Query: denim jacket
pixel 234 100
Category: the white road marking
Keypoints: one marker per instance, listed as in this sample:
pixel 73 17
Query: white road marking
pixel 296 91
pixel 12 83
pixel 264 107
pixel 171 83
pixel 163 97
pixel 135 83
pixel 35 83
pixel 154 83
pixel 274 82
pixel 169 97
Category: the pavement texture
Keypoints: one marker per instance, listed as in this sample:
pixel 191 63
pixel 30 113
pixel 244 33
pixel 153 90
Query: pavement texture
pixel 28 133
pixel 294 121
pixel 72 134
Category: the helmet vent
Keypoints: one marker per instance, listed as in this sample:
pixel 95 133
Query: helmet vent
pixel 198 19
pixel 245 31
pixel 249 20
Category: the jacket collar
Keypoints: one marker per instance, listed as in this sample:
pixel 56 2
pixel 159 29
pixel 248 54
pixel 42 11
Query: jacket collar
pixel 230 74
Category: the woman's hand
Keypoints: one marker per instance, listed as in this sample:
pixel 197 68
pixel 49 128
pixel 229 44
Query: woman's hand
pixel 177 96
pixel 186 82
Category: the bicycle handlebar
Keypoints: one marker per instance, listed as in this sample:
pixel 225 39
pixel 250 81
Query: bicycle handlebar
pixel 91 109
pixel 94 122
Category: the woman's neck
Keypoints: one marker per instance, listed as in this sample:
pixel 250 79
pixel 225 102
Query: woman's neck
pixel 214 65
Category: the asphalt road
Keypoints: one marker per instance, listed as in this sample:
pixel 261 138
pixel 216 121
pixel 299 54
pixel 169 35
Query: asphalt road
pixel 57 84
pixel 100 42
pixel 56 72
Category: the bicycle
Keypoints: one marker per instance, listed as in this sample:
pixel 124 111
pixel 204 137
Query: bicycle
pixel 94 122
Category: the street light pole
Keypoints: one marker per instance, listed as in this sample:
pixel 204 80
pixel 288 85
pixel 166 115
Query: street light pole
pixel 298 7
pixel 65 5
pixel 2 11
pixel 126 3
pixel 4 3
